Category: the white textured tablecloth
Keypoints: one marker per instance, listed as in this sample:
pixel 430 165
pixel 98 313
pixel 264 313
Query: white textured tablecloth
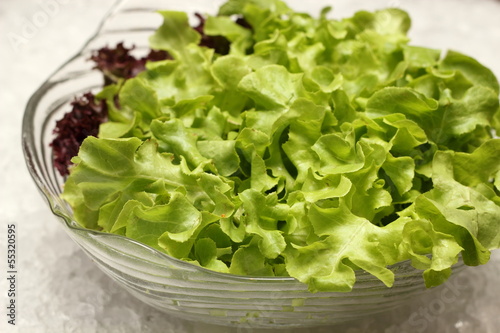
pixel 60 290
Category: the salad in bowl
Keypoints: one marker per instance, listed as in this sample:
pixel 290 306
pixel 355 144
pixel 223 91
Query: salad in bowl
pixel 262 161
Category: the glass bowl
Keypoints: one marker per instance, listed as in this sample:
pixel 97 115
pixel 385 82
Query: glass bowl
pixel 168 284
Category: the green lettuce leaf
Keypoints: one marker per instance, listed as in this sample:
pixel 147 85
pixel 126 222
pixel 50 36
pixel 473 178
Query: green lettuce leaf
pixel 316 148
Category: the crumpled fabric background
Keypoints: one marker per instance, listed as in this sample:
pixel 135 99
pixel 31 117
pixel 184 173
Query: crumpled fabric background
pixel 61 290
